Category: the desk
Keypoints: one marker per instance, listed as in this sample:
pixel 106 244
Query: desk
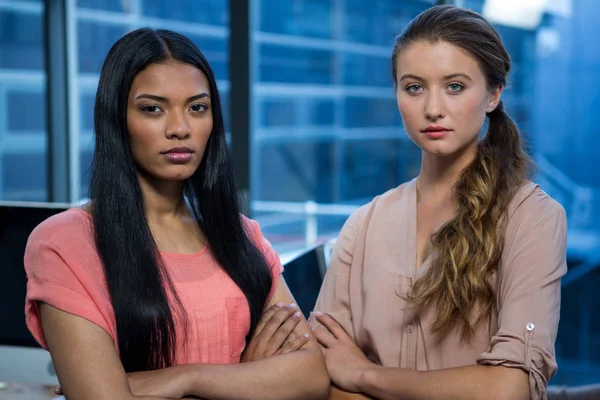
pixel 23 391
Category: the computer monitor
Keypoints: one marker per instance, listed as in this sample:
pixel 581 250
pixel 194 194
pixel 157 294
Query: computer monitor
pixel 21 359
pixel 304 274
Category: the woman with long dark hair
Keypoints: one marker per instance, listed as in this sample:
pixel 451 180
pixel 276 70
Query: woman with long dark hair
pixel 159 287
pixel 448 286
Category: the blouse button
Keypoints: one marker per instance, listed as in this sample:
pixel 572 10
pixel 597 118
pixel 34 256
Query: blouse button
pixel 530 326
pixel 409 329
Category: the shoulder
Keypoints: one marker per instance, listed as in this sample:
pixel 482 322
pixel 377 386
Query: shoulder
pixel 531 206
pixel 380 216
pixel 383 205
pixel 252 228
pixel 255 234
pixel 67 235
pixel 536 222
pixel 69 226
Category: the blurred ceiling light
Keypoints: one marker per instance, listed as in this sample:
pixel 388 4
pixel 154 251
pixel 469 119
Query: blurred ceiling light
pixel 524 14
pixel 563 8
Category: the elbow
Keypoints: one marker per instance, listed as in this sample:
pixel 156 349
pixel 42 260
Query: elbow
pixel 509 390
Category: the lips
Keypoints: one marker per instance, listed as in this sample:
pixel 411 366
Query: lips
pixel 179 150
pixel 179 155
pixel 436 129
pixel 436 132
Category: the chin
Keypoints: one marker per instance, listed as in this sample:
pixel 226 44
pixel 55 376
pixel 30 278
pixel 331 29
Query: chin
pixel 438 148
pixel 178 177
pixel 175 175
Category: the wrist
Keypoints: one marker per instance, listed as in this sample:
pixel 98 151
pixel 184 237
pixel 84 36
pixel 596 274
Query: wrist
pixel 367 378
pixel 186 379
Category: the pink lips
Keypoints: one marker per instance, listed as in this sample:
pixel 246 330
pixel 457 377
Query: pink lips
pixel 179 155
pixel 436 132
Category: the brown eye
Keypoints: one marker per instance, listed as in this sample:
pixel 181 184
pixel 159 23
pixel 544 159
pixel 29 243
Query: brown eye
pixel 151 109
pixel 199 107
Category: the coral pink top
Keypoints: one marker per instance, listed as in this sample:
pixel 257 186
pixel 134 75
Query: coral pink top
pixel 64 270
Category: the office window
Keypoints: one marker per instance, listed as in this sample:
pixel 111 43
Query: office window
pixel 23 143
pixel 298 18
pixel 105 5
pixel 296 65
pixel 327 128
pixel 100 24
pixel 199 12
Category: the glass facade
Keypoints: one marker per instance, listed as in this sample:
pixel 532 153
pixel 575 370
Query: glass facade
pixel 326 126
pixel 23 142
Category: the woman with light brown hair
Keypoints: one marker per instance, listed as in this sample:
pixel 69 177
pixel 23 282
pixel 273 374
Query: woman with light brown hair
pixel 448 286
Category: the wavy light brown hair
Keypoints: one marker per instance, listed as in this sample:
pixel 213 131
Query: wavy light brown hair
pixel 468 248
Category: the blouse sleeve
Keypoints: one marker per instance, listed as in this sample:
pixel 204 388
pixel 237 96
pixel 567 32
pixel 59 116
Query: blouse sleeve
pixel 52 280
pixel 534 260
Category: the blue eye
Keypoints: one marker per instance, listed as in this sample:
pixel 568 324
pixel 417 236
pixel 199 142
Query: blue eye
pixel 455 87
pixel 414 88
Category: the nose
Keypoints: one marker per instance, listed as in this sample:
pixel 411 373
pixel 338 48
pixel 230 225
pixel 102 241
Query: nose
pixel 177 127
pixel 434 106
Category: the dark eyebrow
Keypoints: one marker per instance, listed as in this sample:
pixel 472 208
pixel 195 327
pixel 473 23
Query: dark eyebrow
pixel 152 97
pixel 410 76
pixel 165 100
pixel 457 75
pixel 446 78
pixel 198 97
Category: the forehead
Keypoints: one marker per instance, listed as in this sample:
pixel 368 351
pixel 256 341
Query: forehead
pixel 435 60
pixel 170 80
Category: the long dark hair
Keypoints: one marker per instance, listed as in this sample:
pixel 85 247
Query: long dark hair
pixel 467 248
pixel 139 286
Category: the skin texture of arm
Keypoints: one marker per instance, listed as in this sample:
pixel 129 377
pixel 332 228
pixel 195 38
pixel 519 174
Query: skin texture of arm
pixel 84 356
pixel 87 365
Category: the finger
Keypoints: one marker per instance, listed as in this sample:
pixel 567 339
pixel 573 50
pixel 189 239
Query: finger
pixel 276 320
pixel 324 338
pixel 332 326
pixel 266 316
pixel 294 344
pixel 58 391
pixel 284 331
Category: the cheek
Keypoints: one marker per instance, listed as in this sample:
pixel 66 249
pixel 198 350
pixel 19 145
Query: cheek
pixel 143 138
pixel 411 114
pixel 203 130
pixel 470 113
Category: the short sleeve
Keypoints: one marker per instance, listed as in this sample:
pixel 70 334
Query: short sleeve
pixel 534 260
pixel 52 280
pixel 334 296
pixel 268 252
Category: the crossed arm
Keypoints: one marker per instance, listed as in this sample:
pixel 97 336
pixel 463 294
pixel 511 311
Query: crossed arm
pixel 357 378
pixel 88 366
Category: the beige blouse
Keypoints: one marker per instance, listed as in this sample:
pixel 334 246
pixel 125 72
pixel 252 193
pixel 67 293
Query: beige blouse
pixel 372 269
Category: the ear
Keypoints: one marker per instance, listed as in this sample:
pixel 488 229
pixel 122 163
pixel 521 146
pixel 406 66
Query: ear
pixel 494 98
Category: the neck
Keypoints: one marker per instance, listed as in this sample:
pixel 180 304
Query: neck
pixel 438 175
pixel 163 200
